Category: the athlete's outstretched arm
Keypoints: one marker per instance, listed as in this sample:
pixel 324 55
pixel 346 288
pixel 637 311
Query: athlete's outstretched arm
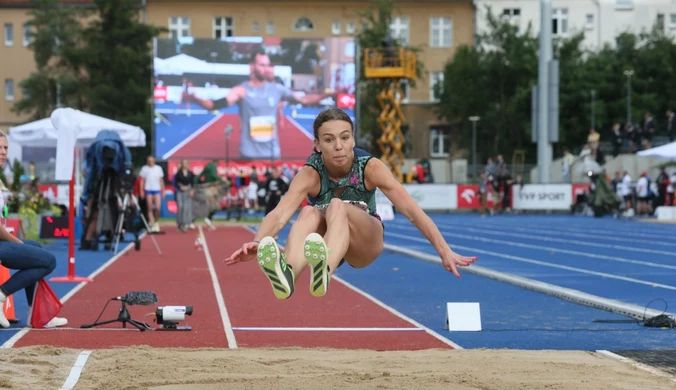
pixel 233 97
pixel 311 98
pixel 377 174
pixel 302 184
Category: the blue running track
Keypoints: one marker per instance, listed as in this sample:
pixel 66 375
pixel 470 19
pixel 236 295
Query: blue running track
pixel 623 260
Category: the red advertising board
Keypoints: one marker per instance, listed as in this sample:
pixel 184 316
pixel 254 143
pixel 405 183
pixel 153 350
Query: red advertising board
pixel 468 197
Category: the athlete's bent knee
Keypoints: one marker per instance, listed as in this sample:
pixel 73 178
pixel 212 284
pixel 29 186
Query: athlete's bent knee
pixel 309 213
pixel 336 206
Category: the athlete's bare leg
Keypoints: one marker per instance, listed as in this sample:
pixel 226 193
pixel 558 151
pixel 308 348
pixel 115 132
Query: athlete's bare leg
pixel 366 237
pixel 310 220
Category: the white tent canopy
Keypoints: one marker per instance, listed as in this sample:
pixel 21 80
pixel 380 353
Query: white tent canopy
pixel 665 152
pixel 43 134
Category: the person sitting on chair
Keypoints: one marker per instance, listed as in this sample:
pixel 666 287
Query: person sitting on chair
pixel 28 257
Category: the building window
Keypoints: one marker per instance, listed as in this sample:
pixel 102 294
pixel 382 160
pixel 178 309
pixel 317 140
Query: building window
pixel 26 93
pixel 335 28
pixel 672 21
pixel 26 35
pixel 624 4
pixel 9 89
pixel 660 22
pixel 560 22
pixel 589 24
pixel 303 25
pixel 223 27
pixel 513 15
pixel 399 29
pixel 270 28
pixel 179 26
pixel 440 143
pixel 441 32
pixel 255 27
pixel 9 34
pixel 436 85
pixel 351 28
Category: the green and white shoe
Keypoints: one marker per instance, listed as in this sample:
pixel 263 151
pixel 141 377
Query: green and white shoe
pixel 317 254
pixel 272 264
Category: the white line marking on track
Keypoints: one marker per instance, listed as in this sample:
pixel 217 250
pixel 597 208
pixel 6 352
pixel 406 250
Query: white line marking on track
pixel 636 364
pixel 311 329
pixel 191 137
pixel 552 239
pixel 388 308
pixel 76 370
pixel 227 325
pixel 545 248
pixel 553 232
pixel 13 340
pixel 543 263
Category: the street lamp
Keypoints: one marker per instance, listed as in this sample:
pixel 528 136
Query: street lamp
pixel 593 109
pixel 474 120
pixel 628 73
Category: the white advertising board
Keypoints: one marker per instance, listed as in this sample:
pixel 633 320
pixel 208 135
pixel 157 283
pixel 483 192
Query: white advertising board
pixel 428 196
pixel 542 197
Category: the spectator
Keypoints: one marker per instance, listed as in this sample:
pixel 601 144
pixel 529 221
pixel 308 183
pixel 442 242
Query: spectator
pixel 617 139
pixel 593 140
pixel 648 127
pixel 632 138
pixel 643 194
pixel 566 165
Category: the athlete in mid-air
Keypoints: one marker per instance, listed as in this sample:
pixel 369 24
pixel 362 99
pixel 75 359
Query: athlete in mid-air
pixel 258 100
pixel 340 224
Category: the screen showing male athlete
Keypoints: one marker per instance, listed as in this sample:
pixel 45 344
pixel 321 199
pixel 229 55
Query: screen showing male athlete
pixel 258 100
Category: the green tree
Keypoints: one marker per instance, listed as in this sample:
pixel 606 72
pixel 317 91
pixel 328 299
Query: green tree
pixel 493 80
pixel 117 56
pixel 375 22
pixel 55 41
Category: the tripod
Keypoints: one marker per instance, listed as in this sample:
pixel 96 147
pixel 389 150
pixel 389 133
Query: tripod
pixel 120 222
pixel 124 317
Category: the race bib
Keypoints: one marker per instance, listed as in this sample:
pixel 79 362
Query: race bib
pixel 262 128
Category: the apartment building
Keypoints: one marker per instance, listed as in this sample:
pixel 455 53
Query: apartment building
pixel 601 21
pixel 437 26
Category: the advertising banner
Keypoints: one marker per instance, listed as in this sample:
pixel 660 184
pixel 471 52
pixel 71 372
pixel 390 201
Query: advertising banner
pixel 247 98
pixel 542 197
pixel 468 197
pixel 428 196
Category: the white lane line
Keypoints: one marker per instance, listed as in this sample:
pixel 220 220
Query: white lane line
pixel 227 325
pixel 543 263
pixel 76 370
pixel 547 248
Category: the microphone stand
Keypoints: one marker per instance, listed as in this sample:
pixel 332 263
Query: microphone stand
pixel 123 316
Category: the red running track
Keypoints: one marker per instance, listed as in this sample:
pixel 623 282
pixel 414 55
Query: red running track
pixel 210 143
pixel 181 277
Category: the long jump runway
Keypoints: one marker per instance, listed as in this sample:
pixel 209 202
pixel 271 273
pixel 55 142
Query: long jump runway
pixel 233 306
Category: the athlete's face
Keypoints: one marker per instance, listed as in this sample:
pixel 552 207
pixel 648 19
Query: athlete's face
pixel 270 75
pixel 260 67
pixel 3 149
pixel 336 143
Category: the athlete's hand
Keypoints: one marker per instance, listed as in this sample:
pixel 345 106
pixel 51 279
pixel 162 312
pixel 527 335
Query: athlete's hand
pixel 451 261
pixel 246 253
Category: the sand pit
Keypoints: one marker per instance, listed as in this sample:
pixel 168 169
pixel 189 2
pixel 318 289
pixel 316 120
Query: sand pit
pixel 148 368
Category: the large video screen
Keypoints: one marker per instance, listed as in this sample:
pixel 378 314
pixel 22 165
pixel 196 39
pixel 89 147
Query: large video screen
pixel 246 99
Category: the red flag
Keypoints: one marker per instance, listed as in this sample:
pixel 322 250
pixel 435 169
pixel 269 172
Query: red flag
pixel 46 305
